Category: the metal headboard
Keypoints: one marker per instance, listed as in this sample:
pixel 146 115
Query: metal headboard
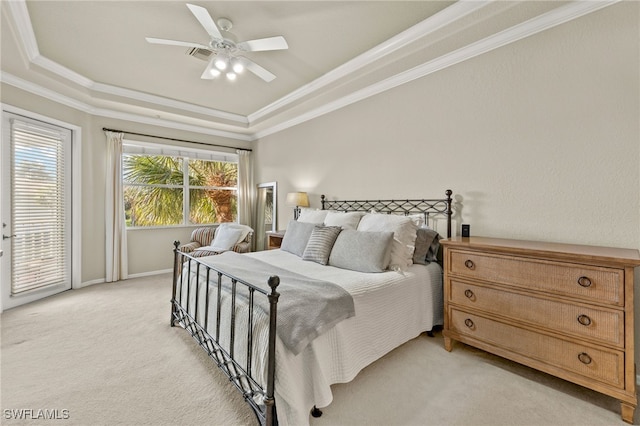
pixel 428 208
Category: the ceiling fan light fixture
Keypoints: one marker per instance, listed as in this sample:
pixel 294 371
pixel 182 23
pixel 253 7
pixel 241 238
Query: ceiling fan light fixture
pixel 237 66
pixel 221 62
pixel 215 72
pixel 231 76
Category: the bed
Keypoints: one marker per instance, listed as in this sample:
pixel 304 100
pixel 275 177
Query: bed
pixel 284 325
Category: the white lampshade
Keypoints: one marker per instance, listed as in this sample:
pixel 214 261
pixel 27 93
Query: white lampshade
pixel 298 199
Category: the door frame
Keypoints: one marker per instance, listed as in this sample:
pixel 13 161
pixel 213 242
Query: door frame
pixel 76 202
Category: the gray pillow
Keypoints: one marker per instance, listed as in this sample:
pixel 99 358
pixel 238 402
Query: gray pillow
pixel 296 238
pixel 362 251
pixel 320 244
pixel 427 245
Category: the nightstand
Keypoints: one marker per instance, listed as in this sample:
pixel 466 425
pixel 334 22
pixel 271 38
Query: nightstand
pixel 274 239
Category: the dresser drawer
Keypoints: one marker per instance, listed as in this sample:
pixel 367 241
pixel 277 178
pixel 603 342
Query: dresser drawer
pixel 599 364
pixel 588 322
pixel 600 285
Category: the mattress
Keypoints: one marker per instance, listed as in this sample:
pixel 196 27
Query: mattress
pixel 391 308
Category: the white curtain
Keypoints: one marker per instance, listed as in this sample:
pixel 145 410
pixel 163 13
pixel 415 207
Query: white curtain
pixel 116 238
pixel 246 194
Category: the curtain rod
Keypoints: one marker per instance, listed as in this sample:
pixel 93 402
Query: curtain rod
pixel 104 129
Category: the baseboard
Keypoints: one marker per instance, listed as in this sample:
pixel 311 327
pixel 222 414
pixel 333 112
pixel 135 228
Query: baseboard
pixel 148 274
pixel 140 275
pixel 92 282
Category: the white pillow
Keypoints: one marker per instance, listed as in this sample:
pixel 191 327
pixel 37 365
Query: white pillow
pixel 312 215
pixel 244 228
pixel 404 235
pixel 226 237
pixel 348 220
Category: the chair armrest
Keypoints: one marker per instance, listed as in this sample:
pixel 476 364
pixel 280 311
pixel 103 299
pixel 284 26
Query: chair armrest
pixel 242 247
pixel 189 247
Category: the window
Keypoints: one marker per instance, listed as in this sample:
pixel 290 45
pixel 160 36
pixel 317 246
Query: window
pixel 167 187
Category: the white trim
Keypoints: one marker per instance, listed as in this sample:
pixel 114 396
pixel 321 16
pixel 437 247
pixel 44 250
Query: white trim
pixel 171 103
pixel 26 34
pixel 448 15
pixel 151 273
pixel 131 276
pixel 24 28
pixel 76 187
pixel 445 17
pixel 103 112
pixel 518 32
pixel 92 282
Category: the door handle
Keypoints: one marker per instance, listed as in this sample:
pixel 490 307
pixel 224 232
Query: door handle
pixel 4 237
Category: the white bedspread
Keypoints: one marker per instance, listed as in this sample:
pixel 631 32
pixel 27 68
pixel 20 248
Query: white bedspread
pixel 391 309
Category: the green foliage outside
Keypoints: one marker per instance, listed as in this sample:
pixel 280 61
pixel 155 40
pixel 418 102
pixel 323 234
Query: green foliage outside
pixel 159 200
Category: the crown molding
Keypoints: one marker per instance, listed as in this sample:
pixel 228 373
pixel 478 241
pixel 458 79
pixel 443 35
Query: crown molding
pixel 518 32
pixel 25 32
pixel 458 10
pixel 170 103
pixel 54 96
pixel 422 29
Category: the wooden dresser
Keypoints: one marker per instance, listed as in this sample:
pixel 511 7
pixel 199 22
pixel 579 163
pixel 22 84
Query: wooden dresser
pixel 563 309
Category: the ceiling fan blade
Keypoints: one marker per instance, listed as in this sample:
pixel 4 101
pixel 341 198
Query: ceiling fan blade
pixel 270 43
pixel 206 74
pixel 205 19
pixel 257 69
pixel 153 40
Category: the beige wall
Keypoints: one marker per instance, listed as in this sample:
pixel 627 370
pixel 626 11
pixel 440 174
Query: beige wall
pixel 538 140
pixel 149 250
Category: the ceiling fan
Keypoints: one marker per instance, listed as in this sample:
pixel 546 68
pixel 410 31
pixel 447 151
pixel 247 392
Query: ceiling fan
pixel 225 51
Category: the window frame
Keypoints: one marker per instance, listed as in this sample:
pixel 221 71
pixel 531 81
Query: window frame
pixel 131 147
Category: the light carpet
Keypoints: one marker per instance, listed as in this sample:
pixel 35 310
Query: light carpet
pixel 105 355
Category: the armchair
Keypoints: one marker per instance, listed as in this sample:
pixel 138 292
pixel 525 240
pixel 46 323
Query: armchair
pixel 201 238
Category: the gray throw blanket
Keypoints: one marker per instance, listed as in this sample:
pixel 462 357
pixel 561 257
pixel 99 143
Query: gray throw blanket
pixel 306 307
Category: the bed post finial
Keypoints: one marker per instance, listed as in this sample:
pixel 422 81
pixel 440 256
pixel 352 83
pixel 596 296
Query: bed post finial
pixel 322 199
pixel 448 193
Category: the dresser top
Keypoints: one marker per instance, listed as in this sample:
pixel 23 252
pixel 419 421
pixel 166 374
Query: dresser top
pixel 573 252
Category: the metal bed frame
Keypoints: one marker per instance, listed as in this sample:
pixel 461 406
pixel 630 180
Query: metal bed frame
pixel 242 376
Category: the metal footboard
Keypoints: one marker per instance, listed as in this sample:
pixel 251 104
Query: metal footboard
pixel 188 280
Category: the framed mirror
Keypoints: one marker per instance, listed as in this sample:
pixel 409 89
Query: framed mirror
pixel 266 219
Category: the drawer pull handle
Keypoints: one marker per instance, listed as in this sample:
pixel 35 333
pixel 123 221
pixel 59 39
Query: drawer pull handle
pixel 469 294
pixel 468 323
pixel 584 320
pixel 584 358
pixel 469 264
pixel 584 281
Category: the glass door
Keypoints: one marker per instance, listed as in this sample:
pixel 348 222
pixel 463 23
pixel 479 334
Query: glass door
pixel 36 209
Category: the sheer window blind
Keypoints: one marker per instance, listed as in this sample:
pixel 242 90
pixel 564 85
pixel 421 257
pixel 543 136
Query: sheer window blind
pixel 40 206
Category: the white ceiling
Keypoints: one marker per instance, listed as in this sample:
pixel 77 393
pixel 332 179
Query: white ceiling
pixel 93 55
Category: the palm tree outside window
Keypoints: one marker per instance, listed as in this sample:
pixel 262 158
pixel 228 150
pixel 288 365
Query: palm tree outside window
pixel 166 190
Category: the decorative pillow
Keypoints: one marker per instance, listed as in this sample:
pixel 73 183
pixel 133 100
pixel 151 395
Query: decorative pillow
pixel 312 215
pixel 427 246
pixel 296 238
pixel 224 240
pixel 362 251
pixel 404 235
pixel 320 244
pixel 244 228
pixel 347 220
pixel 418 219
